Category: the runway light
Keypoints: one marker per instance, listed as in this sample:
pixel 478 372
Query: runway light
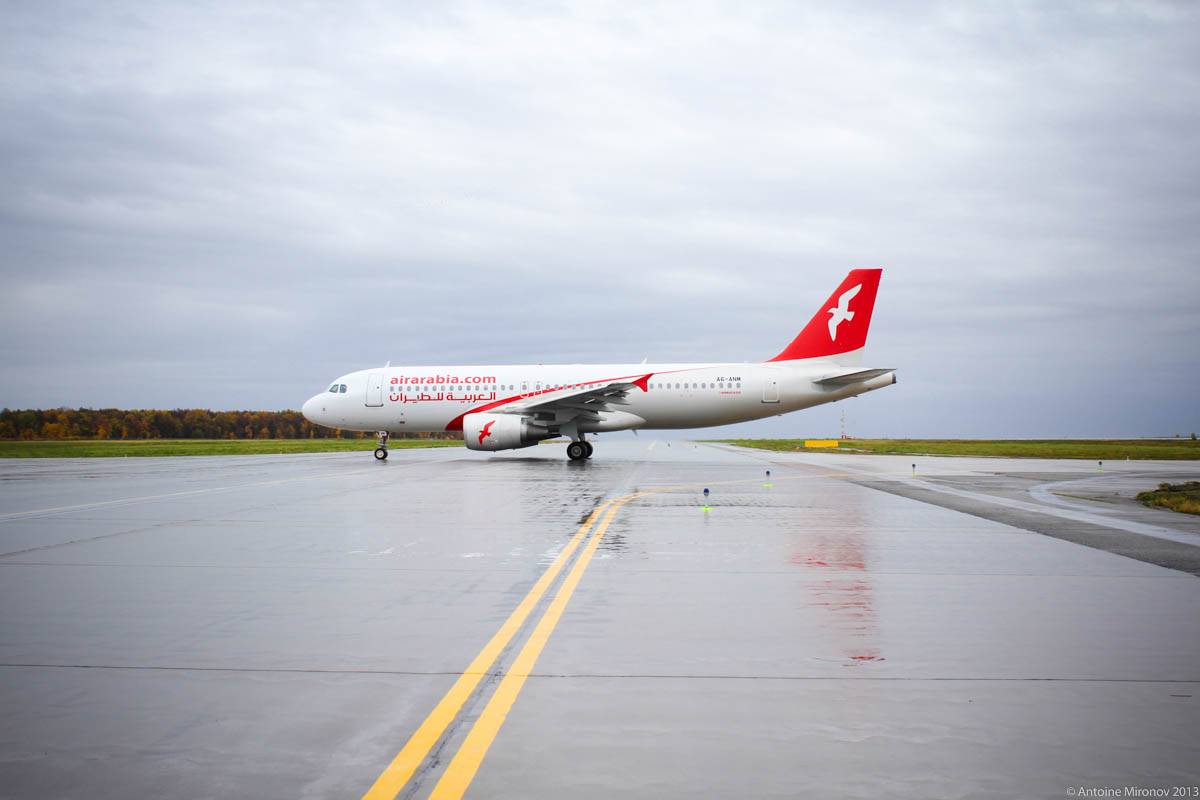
pixel 914 469
pixel 706 493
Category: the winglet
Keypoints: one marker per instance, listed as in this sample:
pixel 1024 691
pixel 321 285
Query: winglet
pixel 643 382
pixel 841 324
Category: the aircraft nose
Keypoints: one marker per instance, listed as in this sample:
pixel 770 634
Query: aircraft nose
pixel 310 409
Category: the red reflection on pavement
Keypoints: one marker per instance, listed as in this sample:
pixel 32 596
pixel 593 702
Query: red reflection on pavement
pixel 846 592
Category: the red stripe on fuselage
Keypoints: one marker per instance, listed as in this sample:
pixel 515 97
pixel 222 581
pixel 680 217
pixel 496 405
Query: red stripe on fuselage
pixel 456 424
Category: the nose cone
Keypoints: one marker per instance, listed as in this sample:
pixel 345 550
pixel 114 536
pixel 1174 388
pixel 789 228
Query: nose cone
pixel 311 409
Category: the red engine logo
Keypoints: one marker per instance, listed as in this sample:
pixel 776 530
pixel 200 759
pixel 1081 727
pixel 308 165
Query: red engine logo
pixel 486 431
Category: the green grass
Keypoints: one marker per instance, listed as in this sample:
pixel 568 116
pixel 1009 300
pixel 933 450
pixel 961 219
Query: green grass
pixel 1182 497
pixel 1095 450
pixel 92 448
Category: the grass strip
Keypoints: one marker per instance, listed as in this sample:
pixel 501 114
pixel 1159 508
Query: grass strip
pixel 1093 449
pixel 103 448
pixel 1181 497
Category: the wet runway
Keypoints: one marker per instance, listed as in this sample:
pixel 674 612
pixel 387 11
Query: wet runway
pixel 517 626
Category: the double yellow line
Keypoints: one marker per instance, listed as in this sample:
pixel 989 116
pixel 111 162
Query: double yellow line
pixel 461 770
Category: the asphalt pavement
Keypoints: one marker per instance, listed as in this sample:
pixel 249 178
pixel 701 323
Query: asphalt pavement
pixel 513 625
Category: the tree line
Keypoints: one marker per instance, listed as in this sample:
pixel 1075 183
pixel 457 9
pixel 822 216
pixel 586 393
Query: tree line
pixel 179 423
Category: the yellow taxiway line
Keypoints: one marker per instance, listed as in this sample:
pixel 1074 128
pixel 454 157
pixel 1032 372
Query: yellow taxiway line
pixel 397 774
pixel 461 771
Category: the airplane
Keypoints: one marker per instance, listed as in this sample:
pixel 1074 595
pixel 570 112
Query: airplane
pixel 506 407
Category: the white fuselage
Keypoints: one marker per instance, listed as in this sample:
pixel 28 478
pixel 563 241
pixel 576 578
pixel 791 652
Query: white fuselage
pixel 435 399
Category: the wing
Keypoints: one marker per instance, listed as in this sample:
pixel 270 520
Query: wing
pixel 584 402
pixel 552 407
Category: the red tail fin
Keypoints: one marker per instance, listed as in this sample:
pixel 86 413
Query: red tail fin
pixel 841 324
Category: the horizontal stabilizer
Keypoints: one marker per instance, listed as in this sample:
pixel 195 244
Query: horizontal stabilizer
pixel 847 378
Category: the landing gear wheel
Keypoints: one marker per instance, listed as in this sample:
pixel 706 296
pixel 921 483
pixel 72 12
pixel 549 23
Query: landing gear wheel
pixel 588 447
pixel 576 451
pixel 381 454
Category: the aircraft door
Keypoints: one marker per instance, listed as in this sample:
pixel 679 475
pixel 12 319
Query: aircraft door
pixel 770 389
pixel 374 389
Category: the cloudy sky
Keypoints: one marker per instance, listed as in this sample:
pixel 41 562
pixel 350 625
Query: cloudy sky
pixel 228 205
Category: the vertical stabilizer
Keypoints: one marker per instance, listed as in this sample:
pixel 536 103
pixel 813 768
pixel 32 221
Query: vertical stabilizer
pixel 840 325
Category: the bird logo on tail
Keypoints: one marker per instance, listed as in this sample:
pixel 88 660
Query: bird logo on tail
pixel 486 431
pixel 841 312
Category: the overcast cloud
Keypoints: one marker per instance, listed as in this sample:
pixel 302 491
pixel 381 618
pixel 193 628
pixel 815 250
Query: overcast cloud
pixel 227 206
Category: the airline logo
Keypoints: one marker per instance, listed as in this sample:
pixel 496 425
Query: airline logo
pixel 486 431
pixel 841 312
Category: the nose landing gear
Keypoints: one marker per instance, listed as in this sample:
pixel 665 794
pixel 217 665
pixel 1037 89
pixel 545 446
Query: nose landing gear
pixel 578 451
pixel 381 451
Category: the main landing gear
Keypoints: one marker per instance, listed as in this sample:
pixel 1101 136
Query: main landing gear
pixel 381 450
pixel 578 451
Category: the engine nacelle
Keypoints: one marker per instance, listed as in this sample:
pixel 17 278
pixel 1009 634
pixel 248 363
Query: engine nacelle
pixel 484 431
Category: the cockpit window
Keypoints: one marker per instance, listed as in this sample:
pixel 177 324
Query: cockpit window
pixel 333 388
pixel 342 388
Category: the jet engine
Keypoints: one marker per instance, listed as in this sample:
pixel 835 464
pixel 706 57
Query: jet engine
pixel 484 431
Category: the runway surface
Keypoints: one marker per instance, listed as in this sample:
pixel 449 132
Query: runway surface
pixel 452 623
